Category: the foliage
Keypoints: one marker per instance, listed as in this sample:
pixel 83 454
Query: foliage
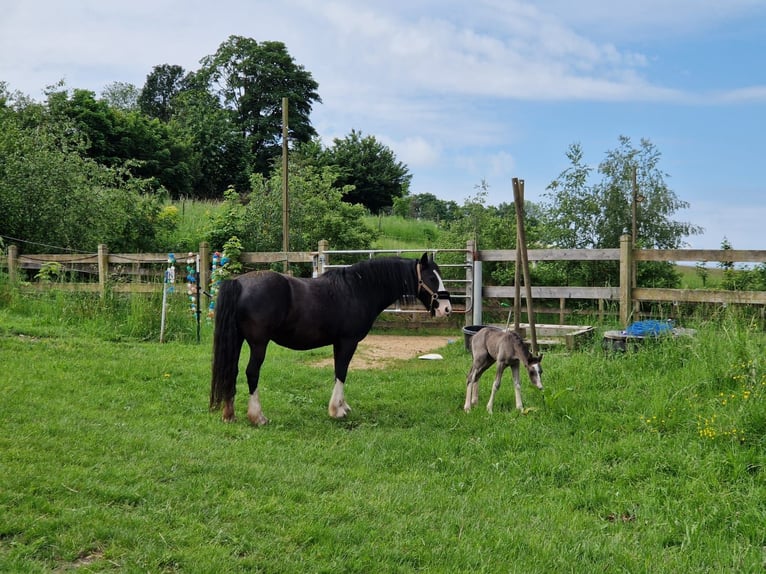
pixel 129 140
pixel 368 170
pixel 317 211
pixel 52 195
pixel 121 95
pixel 122 467
pixel 425 206
pixel 218 150
pixel 595 216
pixel 162 85
pixel 250 79
pixel 581 215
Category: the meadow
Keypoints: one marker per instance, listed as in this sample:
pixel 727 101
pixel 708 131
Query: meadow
pixel 646 461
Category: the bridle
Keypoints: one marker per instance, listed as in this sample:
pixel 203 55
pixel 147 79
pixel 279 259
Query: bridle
pixel 435 295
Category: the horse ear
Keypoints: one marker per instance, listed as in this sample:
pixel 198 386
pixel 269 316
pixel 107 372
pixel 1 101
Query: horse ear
pixel 424 260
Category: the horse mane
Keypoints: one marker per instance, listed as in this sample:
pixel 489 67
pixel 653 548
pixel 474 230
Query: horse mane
pixel 395 276
pixel 529 358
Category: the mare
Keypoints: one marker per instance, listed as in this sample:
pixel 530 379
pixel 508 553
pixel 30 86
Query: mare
pixel 337 308
pixel 490 345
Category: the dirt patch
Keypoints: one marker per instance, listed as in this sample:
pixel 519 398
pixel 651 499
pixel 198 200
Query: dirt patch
pixel 375 351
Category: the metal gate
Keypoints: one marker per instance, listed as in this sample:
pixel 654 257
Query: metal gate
pixel 456 264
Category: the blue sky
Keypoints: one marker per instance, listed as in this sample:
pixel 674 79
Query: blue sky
pixel 467 91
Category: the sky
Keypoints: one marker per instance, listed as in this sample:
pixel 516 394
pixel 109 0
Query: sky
pixel 465 92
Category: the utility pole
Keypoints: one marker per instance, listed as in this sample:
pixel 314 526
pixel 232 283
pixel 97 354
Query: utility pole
pixel 285 198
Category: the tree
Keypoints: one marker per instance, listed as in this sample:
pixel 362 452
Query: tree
pixel 573 213
pixel 162 85
pixel 219 157
pixel 581 215
pixel 250 79
pixel 121 95
pixel 52 194
pixel 372 170
pixel 146 148
pixel 317 212
pixel 656 205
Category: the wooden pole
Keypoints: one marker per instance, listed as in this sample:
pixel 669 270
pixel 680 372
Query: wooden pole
pixel 103 267
pixel 517 282
pixel 518 200
pixel 13 254
pixel 626 264
pixel 285 204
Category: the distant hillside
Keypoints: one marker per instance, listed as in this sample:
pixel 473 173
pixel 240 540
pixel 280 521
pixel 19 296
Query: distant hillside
pixel 399 233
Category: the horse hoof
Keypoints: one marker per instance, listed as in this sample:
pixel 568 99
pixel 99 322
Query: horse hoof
pixel 258 420
pixel 339 411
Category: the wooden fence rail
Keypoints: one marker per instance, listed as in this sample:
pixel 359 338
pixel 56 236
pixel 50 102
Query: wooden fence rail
pixel 626 294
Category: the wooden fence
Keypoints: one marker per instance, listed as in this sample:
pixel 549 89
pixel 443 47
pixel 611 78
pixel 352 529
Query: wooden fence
pixel 626 293
pixel 145 271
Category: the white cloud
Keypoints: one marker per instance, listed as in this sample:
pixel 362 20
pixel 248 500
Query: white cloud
pixel 416 152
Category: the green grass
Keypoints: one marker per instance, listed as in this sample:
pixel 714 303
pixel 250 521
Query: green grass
pixel 399 233
pixel 651 461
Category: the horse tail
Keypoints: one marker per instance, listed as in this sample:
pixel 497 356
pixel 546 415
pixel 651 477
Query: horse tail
pixel 227 344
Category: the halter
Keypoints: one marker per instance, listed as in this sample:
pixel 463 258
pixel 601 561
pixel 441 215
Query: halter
pixel 435 295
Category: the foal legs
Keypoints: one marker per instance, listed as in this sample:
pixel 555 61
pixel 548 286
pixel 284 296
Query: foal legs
pixel 517 386
pixel 480 364
pixel 496 384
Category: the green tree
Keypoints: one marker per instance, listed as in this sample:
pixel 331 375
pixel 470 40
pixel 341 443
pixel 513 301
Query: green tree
pixel 219 157
pixel 317 211
pixel 250 79
pixel 162 85
pixel 51 194
pixel 583 215
pixel 121 96
pixel 370 170
pixel 146 148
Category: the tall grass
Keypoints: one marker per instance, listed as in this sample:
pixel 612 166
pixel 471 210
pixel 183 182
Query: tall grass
pixel 626 463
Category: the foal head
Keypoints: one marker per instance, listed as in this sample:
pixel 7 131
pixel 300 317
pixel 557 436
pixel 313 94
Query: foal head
pixel 431 291
pixel 535 370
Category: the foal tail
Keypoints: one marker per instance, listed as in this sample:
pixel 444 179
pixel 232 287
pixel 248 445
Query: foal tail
pixel 227 344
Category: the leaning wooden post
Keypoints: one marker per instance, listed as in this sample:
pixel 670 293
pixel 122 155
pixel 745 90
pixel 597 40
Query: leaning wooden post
pixel 517 284
pixel 204 271
pixel 103 267
pixel 518 199
pixel 13 254
pixel 626 264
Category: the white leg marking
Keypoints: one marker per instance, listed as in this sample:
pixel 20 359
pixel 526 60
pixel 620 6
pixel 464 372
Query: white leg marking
pixel 469 391
pixel 254 412
pixel 338 407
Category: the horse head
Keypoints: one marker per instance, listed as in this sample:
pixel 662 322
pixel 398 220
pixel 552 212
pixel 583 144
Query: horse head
pixel 535 370
pixel 431 291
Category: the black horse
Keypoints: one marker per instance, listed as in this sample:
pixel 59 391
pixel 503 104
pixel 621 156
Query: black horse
pixel 337 308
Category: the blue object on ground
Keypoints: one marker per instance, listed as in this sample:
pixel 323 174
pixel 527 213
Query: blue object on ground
pixel 650 328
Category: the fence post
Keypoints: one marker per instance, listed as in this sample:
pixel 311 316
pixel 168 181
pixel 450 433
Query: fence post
pixel 13 253
pixel 626 264
pixel 471 290
pixel 324 259
pixel 103 267
pixel 204 271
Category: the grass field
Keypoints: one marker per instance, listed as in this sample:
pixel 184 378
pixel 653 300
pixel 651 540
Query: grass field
pixel 651 461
